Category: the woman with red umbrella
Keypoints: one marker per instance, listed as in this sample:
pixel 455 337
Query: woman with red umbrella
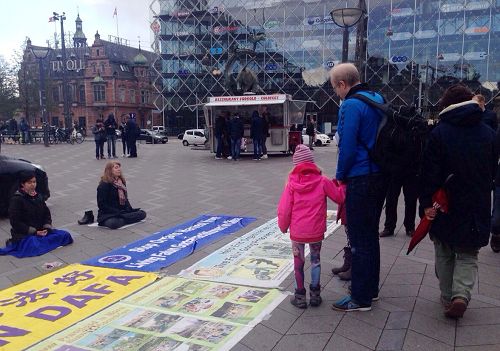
pixel 464 147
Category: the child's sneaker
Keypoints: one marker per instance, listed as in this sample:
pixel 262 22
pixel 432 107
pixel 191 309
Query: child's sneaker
pixel 315 298
pixel 347 304
pixel 299 298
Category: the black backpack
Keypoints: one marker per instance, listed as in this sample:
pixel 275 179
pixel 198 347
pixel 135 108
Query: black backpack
pixel 400 138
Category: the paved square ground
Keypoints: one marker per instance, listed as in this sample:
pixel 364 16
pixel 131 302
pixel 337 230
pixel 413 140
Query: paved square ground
pixel 175 183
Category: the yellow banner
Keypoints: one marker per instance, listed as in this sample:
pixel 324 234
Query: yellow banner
pixel 38 308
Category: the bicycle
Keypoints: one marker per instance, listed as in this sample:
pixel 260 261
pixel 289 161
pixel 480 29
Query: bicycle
pixel 76 136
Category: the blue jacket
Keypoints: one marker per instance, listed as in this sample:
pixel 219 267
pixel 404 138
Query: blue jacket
pixel 357 128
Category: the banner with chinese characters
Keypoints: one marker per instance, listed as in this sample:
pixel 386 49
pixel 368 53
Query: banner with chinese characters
pixel 171 314
pixel 38 308
pixel 166 247
pixel 262 258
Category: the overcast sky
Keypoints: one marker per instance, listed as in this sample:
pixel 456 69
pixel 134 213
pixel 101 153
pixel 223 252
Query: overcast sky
pixel 30 18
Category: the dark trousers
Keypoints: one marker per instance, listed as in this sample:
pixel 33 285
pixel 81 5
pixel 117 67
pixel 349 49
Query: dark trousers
pixel 99 148
pixel 257 147
pixel 364 201
pixel 409 183
pixel 124 219
pixel 220 145
pixel 111 145
pixel 264 147
pixel 235 148
pixel 125 146
pixel 132 148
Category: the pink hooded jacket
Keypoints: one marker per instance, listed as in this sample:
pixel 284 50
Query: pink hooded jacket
pixel 302 206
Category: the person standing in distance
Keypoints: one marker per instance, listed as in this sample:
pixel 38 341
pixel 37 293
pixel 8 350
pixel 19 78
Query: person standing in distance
pixel 358 125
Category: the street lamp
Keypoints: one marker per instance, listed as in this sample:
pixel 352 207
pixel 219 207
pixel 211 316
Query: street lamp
pixel 40 54
pixel 67 117
pixel 345 18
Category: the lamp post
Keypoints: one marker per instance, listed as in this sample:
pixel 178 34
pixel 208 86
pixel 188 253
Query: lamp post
pixel 345 18
pixel 67 117
pixel 40 54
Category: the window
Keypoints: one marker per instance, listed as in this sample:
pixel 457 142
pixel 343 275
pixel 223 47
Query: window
pixel 81 93
pixel 55 94
pixel 200 134
pixel 121 95
pixel 132 96
pixel 99 93
pixel 144 96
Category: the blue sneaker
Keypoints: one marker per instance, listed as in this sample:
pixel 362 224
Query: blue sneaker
pixel 347 304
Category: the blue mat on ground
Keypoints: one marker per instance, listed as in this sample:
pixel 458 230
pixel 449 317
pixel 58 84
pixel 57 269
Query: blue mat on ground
pixel 33 245
pixel 168 246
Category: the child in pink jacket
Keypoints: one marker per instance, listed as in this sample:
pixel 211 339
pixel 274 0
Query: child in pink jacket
pixel 302 209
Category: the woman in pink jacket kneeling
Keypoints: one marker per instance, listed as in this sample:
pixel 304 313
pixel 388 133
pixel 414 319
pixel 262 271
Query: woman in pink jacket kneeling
pixel 302 209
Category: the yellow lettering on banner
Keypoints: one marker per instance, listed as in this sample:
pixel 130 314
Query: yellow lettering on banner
pixel 38 308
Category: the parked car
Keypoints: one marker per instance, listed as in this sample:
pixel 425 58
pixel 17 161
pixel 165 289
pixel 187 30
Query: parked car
pixel 321 139
pixel 10 168
pixel 180 136
pixel 194 137
pixel 158 128
pixel 149 136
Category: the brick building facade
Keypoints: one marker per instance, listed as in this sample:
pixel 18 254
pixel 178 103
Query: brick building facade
pixel 102 78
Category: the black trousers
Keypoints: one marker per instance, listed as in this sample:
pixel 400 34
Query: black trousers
pixel 132 147
pixel 409 183
pixel 124 219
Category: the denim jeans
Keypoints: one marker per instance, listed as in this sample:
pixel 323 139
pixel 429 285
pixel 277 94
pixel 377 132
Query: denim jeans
pixel 257 147
pixel 218 152
pixel 456 270
pixel 364 201
pixel 235 148
pixel 99 148
pixel 111 145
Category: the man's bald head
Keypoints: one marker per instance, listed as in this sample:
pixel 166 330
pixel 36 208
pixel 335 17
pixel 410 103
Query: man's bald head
pixel 346 72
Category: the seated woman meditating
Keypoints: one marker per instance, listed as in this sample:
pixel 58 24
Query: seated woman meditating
pixel 32 232
pixel 114 209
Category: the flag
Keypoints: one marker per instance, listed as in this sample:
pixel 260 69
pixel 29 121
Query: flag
pixel 52 19
pixel 115 13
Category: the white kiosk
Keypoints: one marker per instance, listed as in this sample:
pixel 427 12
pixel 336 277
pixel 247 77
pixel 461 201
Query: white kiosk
pixel 282 113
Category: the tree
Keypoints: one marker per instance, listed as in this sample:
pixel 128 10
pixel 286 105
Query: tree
pixel 9 92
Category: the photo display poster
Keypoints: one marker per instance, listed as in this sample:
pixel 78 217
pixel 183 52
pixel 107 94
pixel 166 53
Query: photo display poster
pixel 261 258
pixel 171 314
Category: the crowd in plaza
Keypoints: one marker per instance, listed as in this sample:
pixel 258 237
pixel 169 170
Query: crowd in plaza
pixel 458 155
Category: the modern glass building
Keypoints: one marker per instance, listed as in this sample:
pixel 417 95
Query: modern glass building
pixel 411 50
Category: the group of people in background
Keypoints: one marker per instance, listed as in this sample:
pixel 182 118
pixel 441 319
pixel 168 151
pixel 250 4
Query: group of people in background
pixel 229 133
pixel 105 131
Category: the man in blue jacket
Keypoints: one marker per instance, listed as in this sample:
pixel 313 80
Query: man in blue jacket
pixel 357 129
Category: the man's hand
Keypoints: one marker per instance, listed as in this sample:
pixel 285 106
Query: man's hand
pixel 430 213
pixel 41 232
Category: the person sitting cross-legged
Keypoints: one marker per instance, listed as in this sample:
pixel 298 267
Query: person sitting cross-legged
pixel 114 208
pixel 31 221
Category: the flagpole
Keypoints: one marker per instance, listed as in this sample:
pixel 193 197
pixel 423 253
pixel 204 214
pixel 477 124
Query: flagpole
pixel 116 18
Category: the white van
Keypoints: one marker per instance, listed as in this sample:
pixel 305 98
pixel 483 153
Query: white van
pixel 194 137
pixel 158 128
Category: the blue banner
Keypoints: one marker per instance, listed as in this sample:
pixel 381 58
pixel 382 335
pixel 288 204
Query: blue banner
pixel 168 246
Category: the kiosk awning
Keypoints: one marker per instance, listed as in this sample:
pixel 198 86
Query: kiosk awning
pixel 246 100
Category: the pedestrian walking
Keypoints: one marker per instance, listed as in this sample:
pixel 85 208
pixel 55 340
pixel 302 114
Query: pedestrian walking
pixel 236 130
pixel 133 132
pixel 99 137
pixel 25 131
pixel 302 210
pixel 220 128
pixel 461 157
pixel 256 128
pixel 123 136
pixel 357 129
pixel 111 126
pixel 265 131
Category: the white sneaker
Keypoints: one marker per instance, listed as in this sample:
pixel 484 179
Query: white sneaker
pixel 229 158
pixel 264 156
pixel 218 158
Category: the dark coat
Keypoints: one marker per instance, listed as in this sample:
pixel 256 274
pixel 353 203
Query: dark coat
pixel 490 118
pixel 310 128
pixel 133 131
pixel 265 126
pixel 464 147
pixel 99 132
pixel 236 128
pixel 220 126
pixel 108 202
pixel 256 127
pixel 27 214
pixel 110 126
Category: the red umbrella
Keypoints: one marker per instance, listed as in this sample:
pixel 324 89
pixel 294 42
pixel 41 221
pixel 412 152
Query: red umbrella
pixel 440 202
